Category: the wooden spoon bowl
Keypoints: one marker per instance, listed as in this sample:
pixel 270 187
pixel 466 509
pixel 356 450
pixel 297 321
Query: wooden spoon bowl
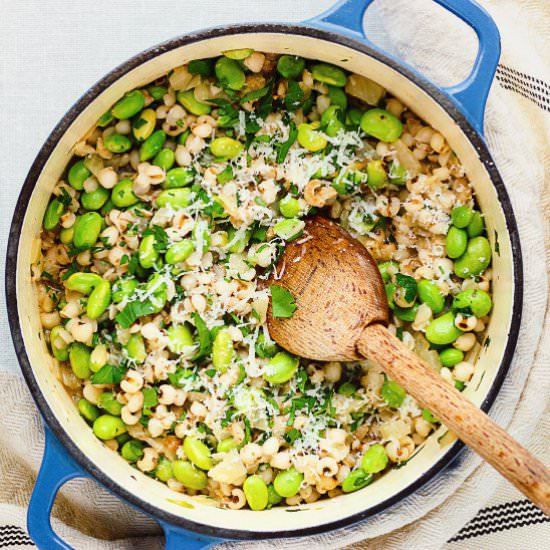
pixel 342 315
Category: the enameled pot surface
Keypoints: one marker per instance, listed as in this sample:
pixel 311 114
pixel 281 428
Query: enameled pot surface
pixel 53 401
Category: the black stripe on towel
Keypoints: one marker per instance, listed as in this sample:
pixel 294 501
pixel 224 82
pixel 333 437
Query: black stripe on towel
pixel 535 89
pixel 510 515
pixel 12 535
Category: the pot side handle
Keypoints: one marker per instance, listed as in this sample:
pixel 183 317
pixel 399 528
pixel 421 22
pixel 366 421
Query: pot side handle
pixel 346 17
pixel 178 538
pixel 56 469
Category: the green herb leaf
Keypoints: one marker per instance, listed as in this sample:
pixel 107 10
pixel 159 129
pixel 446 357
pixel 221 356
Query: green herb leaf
pixel 150 400
pixel 225 175
pixel 409 284
pixel 205 338
pixel 294 96
pixel 254 94
pixel 108 374
pixel 133 311
pixel 282 302
pixel 292 435
pixel 284 147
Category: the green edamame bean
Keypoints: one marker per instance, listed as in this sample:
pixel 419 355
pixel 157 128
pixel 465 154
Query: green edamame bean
pixel 95 199
pixel 165 159
pixel 132 450
pixel 476 225
pixel 338 97
pixel 178 177
pixel 60 348
pixel 382 125
pixel 179 252
pixel 99 357
pixel 330 120
pixel 78 174
pixel 429 294
pixel 239 54
pixel 461 216
pixel 329 74
pixel 249 399
pixel 229 73
pixel 152 145
pixel 356 480
pixel 66 235
pixel 390 292
pixel 273 498
pixel 450 357
pixel 99 300
pixel 456 242
pixel 108 401
pixel 107 207
pixel 387 269
pixel 222 351
pixel 159 292
pixel 289 228
pixel 180 339
pixel 176 198
pixel 131 104
pixel 105 119
pixel 226 445
pixel 225 147
pixel 144 124
pixel 108 427
pixel 124 288
pixel 256 493
pixel 191 104
pixel 291 66
pixel 289 206
pixel 475 260
pixel 375 459
pixel 310 139
pixel 197 452
pixel 393 393
pixel 53 213
pixel 123 195
pixel 83 282
pixel 474 301
pixel 237 241
pixel 204 67
pixel 442 330
pixel 428 416
pixel 87 229
pixel 148 254
pixel 287 483
pixel 79 357
pixel 136 348
pixel 353 117
pixel 397 173
pixel 89 411
pixel 164 471
pixel 157 92
pixel 406 313
pixel 376 174
pixel 281 368
pixel 189 476
pixel 201 235
pixel 264 350
pixel 117 143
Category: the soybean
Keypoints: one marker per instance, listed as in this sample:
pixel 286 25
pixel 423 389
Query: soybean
pixel 108 427
pixel 289 206
pixel 356 480
pixel 123 195
pixel 152 145
pixel 144 125
pixel 376 174
pixel 165 159
pixel 393 394
pixel 89 411
pixel 179 252
pixel 117 143
pixel 387 269
pixel 289 228
pixel 164 470
pixel 204 67
pixel 429 294
pixel 382 125
pixel 95 199
pixel 338 97
pixel 375 459
pixel 78 174
pixel 287 483
pixel 178 177
pixel 474 301
pixel 225 147
pixel 456 242
pixel 273 498
pixel 108 401
pixel 442 330
pixel 191 104
pixel 222 351
pixel 124 289
pixel 310 139
pixel 136 348
pixel 229 73
pixel 66 235
pixel 291 66
pixel 87 229
pixel 475 260
pixel 157 92
pixel 99 299
pixel 53 213
pixel 330 119
pixel 176 198
pixel 450 357
pixel 180 339
pixel 132 450
pixel 148 254
pixel 256 493
pixel 197 452
pixel 461 216
pixel 60 348
pixel 281 368
pixel 131 104
pixel 79 358
pixel 83 282
pixel 188 475
pixel 329 74
pixel 226 445
pixel 476 225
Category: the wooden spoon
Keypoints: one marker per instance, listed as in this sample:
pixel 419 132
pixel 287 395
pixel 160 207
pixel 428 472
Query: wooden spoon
pixel 341 315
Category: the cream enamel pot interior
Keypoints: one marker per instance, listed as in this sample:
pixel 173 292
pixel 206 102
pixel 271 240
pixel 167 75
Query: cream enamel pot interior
pixel 336 37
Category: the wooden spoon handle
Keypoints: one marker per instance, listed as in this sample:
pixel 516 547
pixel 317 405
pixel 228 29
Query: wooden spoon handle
pixel 461 416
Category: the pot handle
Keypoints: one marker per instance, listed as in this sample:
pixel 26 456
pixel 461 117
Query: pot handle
pixel 178 538
pixel 56 469
pixel 346 17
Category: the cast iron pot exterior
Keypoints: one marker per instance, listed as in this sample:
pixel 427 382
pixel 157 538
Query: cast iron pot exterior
pixel 75 454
